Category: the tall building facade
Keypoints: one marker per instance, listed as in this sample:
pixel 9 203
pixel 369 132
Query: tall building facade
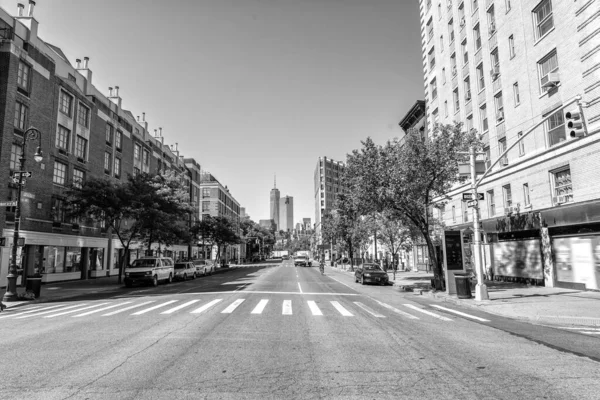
pixel 286 213
pixel 327 185
pixel 306 224
pixel 274 205
pixel 511 70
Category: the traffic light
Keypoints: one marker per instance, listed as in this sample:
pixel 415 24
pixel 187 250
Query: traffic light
pixel 575 124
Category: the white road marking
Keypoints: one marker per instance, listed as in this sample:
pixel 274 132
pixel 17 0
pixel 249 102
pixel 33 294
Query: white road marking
pixel 590 333
pixel 341 309
pixel 263 292
pixel 367 309
pixel 232 306
pixel 51 311
pixel 260 307
pixel 286 308
pixel 179 307
pixel 460 313
pixel 205 307
pixel 31 310
pixel 127 308
pixel 73 311
pixel 100 309
pixel 313 308
pixel 427 312
pixel 299 287
pixel 154 308
pixel 579 328
pixel 394 309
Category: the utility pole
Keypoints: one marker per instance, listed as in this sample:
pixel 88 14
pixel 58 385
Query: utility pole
pixel 481 292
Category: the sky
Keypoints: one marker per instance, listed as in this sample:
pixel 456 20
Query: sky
pixel 251 88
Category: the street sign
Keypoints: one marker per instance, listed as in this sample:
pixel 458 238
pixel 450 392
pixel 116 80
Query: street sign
pixel 472 203
pixel 8 203
pixel 26 174
pixel 469 196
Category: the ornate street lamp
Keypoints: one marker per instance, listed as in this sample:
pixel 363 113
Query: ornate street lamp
pixel 11 287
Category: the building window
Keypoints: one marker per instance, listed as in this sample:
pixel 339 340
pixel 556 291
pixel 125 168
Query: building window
pixel 107 162
pixel 499 102
pixel 477 37
pixel 205 192
pixel 136 171
pixel 456 100
pixel 516 93
pixel 83 115
pixel 440 10
pixel 78 178
pixel 436 116
pixel 58 210
pixel 556 128
pixel 441 43
pixel 109 134
pixel 465 211
pixel 66 103
pixel 467 86
pixel 526 198
pixel 23 75
pixel 488 157
pixel 475 5
pixel 430 29
pixel 511 46
pixel 507 194
pixel 501 150
pixel 63 138
pixel 136 151
pixel 145 158
pixel 480 77
pixel 543 18
pixel 205 206
pixel 563 187
pixel 454 214
pixel 521 144
pixel 483 118
pixel 80 147
pixel 461 15
pixel 507 3
pixel 444 75
pixel 451 31
pixel 491 17
pixel 119 140
pixel 546 66
pixel 21 113
pixel 465 52
pixel 60 173
pixel 495 64
pixel 445 108
pixel 433 87
pixel 491 203
pixel 432 58
pixel 117 167
pixel 15 155
pixel 453 64
pixel 469 123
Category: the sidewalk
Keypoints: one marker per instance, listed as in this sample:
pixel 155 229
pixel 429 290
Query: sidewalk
pixel 538 304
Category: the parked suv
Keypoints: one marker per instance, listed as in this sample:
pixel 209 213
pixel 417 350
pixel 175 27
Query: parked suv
pixel 150 270
pixel 185 270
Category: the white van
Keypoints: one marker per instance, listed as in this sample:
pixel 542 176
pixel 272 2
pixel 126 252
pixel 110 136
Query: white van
pixel 150 270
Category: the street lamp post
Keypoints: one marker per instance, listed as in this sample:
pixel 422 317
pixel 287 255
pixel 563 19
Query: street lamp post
pixel 11 287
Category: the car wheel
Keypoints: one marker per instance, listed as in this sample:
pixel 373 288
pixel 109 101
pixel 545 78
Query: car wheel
pixel 194 276
pixel 185 277
pixel 170 280
pixel 155 281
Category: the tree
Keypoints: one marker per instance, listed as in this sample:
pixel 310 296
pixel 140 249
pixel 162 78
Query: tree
pixel 405 177
pixel 393 233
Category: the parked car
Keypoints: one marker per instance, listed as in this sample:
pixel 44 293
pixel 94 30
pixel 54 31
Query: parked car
pixel 150 270
pixel 204 267
pixel 370 273
pixel 301 261
pixel 185 270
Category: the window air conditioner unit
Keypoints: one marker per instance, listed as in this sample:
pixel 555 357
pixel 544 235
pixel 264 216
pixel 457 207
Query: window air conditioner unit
pixel 553 80
pixel 62 151
pixel 468 96
pixel 462 22
pixel 560 199
pixel 454 71
pixel 492 28
pixel 504 162
pixel 500 115
pixel 494 72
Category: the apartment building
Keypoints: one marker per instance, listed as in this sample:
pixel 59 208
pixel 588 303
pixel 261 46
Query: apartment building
pixel 328 184
pixel 511 70
pixel 83 133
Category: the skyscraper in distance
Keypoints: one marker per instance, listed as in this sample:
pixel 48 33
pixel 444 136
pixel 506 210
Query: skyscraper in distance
pixel 286 213
pixel 274 214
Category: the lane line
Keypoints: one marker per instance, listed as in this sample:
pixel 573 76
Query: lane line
pixel 205 307
pixel 232 306
pixel 51 311
pixel 100 309
pixel 460 313
pixel 299 287
pixel 427 312
pixel 313 308
pixel 286 308
pixel 154 308
pixel 179 307
pixel 74 311
pixel 590 333
pixel 31 310
pixel 260 307
pixel 579 328
pixel 367 309
pixel 127 308
pixel 258 292
pixel 341 309
pixel 394 309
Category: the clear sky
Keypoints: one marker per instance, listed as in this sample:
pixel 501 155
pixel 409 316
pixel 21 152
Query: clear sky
pixel 251 88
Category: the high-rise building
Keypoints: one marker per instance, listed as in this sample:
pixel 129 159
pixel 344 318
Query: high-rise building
pixel 274 211
pixel 512 70
pixel 328 185
pixel 286 214
pixel 306 223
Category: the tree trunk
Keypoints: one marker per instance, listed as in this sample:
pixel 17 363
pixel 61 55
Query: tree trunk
pixel 438 275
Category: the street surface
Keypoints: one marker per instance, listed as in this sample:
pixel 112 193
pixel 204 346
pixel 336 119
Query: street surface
pixel 279 332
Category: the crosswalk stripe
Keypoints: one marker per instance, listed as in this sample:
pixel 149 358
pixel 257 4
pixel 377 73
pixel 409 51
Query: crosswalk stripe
pixel 127 308
pixel 313 308
pixel 31 310
pixel 205 307
pixel 341 309
pixel 154 308
pixel 232 306
pixel 286 308
pixel 260 307
pixel 367 309
pixel 100 309
pixel 179 307
pixel 460 313
pixel 394 309
pixel 427 312
pixel 51 311
pixel 74 311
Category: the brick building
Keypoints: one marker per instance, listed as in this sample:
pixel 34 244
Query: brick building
pixel 502 67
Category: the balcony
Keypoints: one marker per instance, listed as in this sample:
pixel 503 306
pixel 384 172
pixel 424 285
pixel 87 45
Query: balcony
pixel 497 84
pixel 493 41
pixel 481 97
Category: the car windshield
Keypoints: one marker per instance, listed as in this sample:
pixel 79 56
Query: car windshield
pixel 371 267
pixel 180 266
pixel 141 263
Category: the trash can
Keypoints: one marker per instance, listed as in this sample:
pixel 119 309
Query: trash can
pixel 34 284
pixel 463 285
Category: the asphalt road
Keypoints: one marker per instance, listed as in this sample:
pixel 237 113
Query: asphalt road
pixel 280 332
